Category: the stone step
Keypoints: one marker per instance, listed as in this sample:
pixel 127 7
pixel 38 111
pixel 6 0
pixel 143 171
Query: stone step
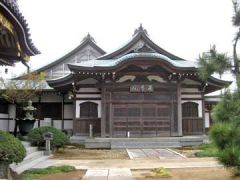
pixel 26 144
pixel 140 145
pixel 29 158
pixel 30 150
pixel 19 168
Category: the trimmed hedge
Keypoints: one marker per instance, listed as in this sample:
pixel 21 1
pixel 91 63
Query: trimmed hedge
pixel 59 138
pixel 11 149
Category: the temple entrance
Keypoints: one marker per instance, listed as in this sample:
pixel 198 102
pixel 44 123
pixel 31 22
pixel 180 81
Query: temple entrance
pixel 138 120
pixel 141 114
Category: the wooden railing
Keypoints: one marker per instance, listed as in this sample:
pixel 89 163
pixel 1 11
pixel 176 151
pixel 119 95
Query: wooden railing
pixel 192 125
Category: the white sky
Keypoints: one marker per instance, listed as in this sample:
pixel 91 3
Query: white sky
pixel 185 28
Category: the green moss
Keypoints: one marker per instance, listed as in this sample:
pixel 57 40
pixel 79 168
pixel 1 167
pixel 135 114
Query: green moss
pixel 35 174
pixel 161 172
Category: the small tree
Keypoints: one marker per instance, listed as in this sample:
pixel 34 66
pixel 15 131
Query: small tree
pixel 213 62
pixel 19 92
pixel 226 130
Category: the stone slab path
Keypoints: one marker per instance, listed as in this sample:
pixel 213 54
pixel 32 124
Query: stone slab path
pixel 153 154
pixel 108 174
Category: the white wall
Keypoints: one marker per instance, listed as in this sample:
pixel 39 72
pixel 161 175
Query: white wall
pixel 207 119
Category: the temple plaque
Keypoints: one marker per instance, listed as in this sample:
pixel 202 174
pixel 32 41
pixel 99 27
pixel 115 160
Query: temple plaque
pixel 141 88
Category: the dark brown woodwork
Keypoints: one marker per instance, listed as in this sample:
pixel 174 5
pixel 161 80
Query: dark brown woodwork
pixel 81 126
pixel 192 126
pixel 192 123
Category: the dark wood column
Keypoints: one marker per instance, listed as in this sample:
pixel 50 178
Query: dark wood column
pixel 179 108
pixel 203 112
pixel 62 124
pixel 103 112
pixel 75 130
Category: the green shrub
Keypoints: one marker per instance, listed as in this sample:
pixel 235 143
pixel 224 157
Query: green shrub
pixel 11 149
pixel 225 133
pixel 33 174
pixel 59 138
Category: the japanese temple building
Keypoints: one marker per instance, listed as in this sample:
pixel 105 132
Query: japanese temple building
pixel 139 90
pixel 15 42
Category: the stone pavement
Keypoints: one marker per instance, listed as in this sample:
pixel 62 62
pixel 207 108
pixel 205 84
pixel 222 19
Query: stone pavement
pixel 153 154
pixel 108 174
pixel 134 164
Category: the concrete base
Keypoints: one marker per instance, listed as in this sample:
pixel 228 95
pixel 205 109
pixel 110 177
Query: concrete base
pixel 123 143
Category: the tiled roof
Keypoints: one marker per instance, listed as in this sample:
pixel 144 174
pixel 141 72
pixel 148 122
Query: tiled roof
pixel 13 7
pixel 135 56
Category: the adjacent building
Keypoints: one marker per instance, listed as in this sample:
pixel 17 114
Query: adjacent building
pixel 139 90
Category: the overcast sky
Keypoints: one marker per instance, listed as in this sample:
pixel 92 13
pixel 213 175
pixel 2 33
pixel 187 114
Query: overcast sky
pixel 185 28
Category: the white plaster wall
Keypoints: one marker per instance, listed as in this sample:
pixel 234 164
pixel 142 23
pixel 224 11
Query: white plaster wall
pixel 189 96
pixel 4 122
pixel 189 90
pixel 78 102
pixel 207 119
pixel 11 125
pixel 57 124
pixel 12 111
pixel 68 111
pixel 88 95
pixel 199 102
pixel 88 90
pixel 68 124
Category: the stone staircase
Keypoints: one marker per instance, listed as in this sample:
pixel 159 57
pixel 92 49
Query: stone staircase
pixel 33 157
pixel 142 143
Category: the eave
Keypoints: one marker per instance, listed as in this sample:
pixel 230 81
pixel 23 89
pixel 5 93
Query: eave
pixel 12 13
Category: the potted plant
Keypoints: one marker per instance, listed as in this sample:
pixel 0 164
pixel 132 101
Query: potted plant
pixel 19 93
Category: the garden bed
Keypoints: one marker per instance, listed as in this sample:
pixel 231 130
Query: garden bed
pixel 187 174
pixel 78 153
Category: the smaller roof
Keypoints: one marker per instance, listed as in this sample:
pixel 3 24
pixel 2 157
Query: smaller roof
pixel 87 40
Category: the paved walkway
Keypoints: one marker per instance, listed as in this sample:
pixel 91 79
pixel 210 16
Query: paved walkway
pixel 133 164
pixel 108 174
pixel 153 154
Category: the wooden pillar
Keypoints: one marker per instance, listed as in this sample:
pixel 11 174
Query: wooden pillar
pixel 103 112
pixel 203 112
pixel 62 125
pixel 74 115
pixel 39 110
pixel 179 109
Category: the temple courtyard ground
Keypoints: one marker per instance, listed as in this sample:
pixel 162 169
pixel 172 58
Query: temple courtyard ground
pixel 103 164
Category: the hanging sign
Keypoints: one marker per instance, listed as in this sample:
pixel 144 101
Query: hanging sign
pixel 141 88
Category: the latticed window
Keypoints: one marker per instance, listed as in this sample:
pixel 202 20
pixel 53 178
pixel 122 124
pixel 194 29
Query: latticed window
pixel 88 109
pixel 190 109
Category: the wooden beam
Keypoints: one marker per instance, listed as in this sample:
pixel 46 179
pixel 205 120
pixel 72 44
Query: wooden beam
pixel 179 104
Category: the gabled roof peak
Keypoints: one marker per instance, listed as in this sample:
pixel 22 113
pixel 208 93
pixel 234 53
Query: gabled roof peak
pixel 140 29
pixel 88 37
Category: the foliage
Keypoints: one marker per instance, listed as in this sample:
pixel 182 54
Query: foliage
pixel 21 91
pixel 225 133
pixel 161 172
pixel 11 149
pixel 59 138
pixel 207 150
pixel 213 62
pixel 36 173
